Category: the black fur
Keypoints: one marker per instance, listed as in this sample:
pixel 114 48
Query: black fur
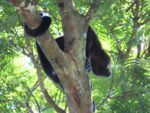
pixel 41 29
pixel 99 59
pixel 96 57
pixel 47 67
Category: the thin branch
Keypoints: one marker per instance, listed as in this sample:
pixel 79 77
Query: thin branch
pixel 40 80
pixel 46 41
pixel 109 92
pixel 34 86
pixel 130 6
pixel 28 106
pixel 134 28
pixel 38 106
pixel 94 5
pixel 16 101
pixel 145 22
pixel 148 50
pixel 128 94
pixel 51 103
pixel 118 47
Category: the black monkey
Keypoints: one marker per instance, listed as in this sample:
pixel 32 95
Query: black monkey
pixel 96 58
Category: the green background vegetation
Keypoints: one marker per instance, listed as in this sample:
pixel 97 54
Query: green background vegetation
pixel 124 33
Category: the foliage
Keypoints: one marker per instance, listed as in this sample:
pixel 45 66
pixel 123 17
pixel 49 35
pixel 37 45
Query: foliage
pixel 126 91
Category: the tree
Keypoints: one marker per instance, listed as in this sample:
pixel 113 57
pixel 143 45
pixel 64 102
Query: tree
pixel 123 29
pixel 69 65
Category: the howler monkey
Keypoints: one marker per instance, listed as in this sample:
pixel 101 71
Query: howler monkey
pixel 96 58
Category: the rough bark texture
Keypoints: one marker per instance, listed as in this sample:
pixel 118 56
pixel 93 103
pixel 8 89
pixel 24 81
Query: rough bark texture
pixel 69 65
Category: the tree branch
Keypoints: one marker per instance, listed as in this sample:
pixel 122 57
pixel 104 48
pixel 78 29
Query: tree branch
pixel 51 103
pixel 134 28
pixel 32 18
pixel 40 80
pixel 69 65
pixel 130 6
pixel 118 47
pixel 145 22
pixel 75 43
pixel 38 106
pixel 73 29
pixel 94 5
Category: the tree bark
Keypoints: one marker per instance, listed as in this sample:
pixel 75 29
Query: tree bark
pixel 69 65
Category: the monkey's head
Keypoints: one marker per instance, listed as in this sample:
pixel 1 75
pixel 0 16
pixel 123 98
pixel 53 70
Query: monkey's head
pixel 100 64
